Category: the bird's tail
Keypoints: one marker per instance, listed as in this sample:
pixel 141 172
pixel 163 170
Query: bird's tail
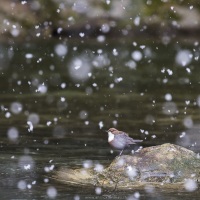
pixel 132 141
pixel 137 140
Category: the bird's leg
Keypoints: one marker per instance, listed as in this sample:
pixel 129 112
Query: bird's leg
pixel 121 152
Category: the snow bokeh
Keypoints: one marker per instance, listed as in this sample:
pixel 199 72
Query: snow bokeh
pixel 136 55
pixel 21 185
pixel 34 118
pixel 26 163
pixel 51 192
pixel 61 50
pixel 79 68
pixel 170 108
pixel 59 93
pixel 13 134
pixel 190 185
pixel 184 57
pixel 16 107
pixel 134 196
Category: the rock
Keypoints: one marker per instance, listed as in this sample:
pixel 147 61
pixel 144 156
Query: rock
pixel 166 165
pixel 75 177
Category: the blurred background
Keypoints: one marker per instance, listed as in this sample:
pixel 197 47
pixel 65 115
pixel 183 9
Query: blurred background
pixel 71 69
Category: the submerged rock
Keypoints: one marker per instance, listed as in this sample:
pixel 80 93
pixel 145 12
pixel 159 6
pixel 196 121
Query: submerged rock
pixel 166 165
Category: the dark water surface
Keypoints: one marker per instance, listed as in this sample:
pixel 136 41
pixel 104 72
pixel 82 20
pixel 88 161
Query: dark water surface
pixel 57 99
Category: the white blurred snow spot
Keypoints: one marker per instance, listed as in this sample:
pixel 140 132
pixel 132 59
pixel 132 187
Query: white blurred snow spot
pixel 187 102
pixel 99 167
pixel 33 182
pixel 170 72
pixel 182 134
pixel 21 185
pixel 33 118
pixel 81 34
pixel 188 122
pixel 46 180
pixel 87 164
pixel 131 64
pixel 30 129
pixel 105 28
pixel 83 114
pixel 59 30
pixel 62 99
pixel 26 162
pixel 27 167
pixel 79 68
pixel 120 162
pixel 8 115
pixel 134 44
pixel 101 125
pixel 149 119
pixel 111 85
pixel 13 134
pixel 16 107
pixel 142 47
pixel 190 185
pixel 134 196
pixel 15 32
pixel 63 85
pixel 146 132
pixel 131 172
pixel 149 188
pixel 76 197
pixel 51 192
pixel 169 108
pixel 188 70
pixel 29 186
pixel 115 52
pixel 119 79
pixel 94 85
pixel 89 74
pixel 48 169
pixel 61 50
pixel 114 122
pixel 137 21
pixel 49 123
pixel 101 60
pixel 23 2
pixel 42 89
pixel 168 97
pixel 183 57
pixel 86 123
pixel 98 190
pixel 28 55
pixel 101 38
pixel 136 55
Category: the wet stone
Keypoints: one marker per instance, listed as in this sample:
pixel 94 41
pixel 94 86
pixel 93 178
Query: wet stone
pixel 166 165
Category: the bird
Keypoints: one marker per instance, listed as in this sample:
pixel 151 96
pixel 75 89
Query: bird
pixel 119 139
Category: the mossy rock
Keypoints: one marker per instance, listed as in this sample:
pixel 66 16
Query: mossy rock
pixel 166 165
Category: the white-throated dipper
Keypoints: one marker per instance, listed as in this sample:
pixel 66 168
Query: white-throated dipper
pixel 120 140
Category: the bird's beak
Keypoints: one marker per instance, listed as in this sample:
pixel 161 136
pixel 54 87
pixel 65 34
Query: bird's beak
pixel 106 131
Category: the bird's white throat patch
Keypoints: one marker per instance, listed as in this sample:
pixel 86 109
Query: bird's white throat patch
pixel 110 136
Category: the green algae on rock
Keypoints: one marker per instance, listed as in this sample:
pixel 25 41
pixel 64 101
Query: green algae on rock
pixel 166 165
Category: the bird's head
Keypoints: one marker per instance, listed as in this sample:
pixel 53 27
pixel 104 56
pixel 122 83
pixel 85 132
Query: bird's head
pixel 112 130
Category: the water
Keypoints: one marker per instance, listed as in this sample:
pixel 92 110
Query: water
pixel 58 98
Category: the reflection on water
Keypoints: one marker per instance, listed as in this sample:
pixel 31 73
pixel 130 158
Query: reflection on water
pixel 57 100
